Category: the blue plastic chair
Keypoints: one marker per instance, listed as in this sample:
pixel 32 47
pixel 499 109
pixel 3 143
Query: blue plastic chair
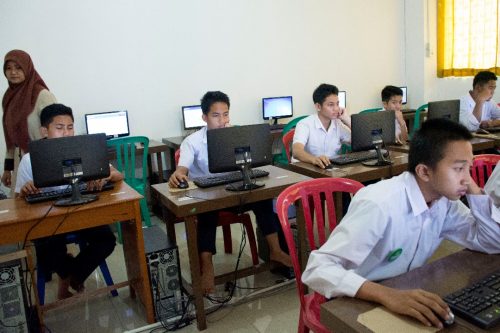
pixel 42 274
pixel 126 149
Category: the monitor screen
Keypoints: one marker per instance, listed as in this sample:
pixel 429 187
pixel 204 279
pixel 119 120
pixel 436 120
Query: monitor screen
pixel 405 94
pixel 192 117
pixel 364 126
pixel 342 99
pixel 113 124
pixel 444 109
pixel 224 144
pixel 56 161
pixel 277 107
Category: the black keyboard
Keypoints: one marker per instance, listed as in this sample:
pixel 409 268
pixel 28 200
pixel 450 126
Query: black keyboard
pixel 227 178
pixel 63 193
pixel 359 156
pixel 478 303
pixel 276 126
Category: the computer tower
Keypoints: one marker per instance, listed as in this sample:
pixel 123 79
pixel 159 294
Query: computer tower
pixel 12 298
pixel 162 258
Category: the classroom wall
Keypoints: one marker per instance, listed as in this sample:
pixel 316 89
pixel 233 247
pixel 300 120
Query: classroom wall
pixel 151 57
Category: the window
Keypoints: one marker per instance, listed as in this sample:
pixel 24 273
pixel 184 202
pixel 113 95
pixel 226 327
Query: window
pixel 468 39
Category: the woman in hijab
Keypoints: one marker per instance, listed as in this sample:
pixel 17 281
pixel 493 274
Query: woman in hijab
pixel 22 103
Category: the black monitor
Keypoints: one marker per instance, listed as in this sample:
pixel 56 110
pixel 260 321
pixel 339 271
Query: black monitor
pixel 373 130
pixel 277 107
pixel 405 94
pixel 444 109
pixel 239 148
pixel 68 160
pixel 342 99
pixel 192 117
pixel 114 123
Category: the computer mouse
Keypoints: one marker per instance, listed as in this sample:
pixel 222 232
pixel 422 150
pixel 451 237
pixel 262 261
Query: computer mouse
pixel 329 166
pixel 183 184
pixel 451 320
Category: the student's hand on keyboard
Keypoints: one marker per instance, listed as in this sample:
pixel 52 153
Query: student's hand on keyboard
pixel 321 161
pixel 28 188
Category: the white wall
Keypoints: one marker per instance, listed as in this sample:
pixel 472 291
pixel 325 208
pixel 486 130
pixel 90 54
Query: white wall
pixel 151 57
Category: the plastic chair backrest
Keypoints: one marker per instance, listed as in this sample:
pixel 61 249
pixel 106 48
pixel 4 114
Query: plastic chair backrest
pixel 291 124
pixel 416 120
pixel 287 141
pixel 125 149
pixel 283 158
pixel 370 110
pixel 482 167
pixel 312 195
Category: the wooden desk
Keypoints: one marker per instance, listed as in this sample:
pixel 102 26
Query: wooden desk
pixel 210 199
pixel 355 171
pixel 478 144
pixel 17 218
pixel 442 277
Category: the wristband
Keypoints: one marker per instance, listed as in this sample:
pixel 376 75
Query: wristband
pixel 8 164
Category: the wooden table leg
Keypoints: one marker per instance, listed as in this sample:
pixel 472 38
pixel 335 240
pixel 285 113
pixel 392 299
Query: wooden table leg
pixel 194 264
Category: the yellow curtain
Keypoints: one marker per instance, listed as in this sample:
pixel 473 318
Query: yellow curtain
pixel 467 38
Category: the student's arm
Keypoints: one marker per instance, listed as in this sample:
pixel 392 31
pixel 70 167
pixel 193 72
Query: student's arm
pixel 345 117
pixel 24 181
pixel 480 98
pixel 114 176
pixel 494 115
pixel 27 188
pixel 180 174
pixel 8 167
pixel 403 135
pixel 300 153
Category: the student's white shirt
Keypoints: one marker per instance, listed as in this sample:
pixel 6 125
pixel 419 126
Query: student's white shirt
pixel 25 174
pixel 194 154
pixel 391 215
pixel 319 141
pixel 467 104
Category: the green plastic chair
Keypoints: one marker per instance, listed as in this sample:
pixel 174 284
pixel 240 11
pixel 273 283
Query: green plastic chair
pixel 125 149
pixel 282 158
pixel 416 121
pixel 370 110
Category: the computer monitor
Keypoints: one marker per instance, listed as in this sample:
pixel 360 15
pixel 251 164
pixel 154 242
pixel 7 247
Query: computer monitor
pixel 342 99
pixel 68 160
pixel 405 94
pixel 444 109
pixel 373 130
pixel 239 148
pixel 192 117
pixel 114 123
pixel 277 107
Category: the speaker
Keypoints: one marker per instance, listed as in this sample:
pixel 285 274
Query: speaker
pixel 162 258
pixel 12 298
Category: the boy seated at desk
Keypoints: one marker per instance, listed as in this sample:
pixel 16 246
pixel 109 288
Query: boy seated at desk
pixel 57 121
pixel 395 225
pixel 477 110
pixel 392 100
pixel 193 162
pixel 319 137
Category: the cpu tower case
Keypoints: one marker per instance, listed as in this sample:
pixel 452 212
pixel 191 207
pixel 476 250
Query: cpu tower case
pixel 12 298
pixel 162 259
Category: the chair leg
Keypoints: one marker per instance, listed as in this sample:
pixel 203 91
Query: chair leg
pixel 146 218
pixel 228 241
pixel 107 277
pixel 302 327
pixel 119 232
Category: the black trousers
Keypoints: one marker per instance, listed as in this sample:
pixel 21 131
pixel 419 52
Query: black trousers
pixel 266 219
pixel 96 245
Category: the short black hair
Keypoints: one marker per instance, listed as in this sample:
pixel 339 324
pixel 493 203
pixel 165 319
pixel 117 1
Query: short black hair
pixel 428 144
pixel 212 97
pixel 483 77
pixel 51 111
pixel 390 91
pixel 323 91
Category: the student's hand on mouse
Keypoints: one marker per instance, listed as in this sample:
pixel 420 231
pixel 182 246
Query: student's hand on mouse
pixel 426 307
pixel 321 161
pixel 28 188
pixel 176 178
pixel 485 124
pixel 7 178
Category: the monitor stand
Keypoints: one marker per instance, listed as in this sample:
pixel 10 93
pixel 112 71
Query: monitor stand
pixel 248 184
pixel 380 161
pixel 76 197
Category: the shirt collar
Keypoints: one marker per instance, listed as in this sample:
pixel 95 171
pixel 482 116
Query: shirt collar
pixel 319 125
pixel 204 134
pixel 415 196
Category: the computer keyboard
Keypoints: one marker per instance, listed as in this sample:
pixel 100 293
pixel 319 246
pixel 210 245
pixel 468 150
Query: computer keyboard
pixel 478 303
pixel 276 126
pixel 231 177
pixel 62 193
pixel 359 156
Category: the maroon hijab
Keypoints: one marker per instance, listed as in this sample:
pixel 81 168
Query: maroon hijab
pixel 19 101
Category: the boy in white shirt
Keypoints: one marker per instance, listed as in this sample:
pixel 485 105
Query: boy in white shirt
pixel 392 100
pixel 193 162
pixel 319 137
pixel 477 110
pixel 395 225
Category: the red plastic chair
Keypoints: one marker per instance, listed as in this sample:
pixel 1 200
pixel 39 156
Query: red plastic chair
pixel 225 220
pixel 313 194
pixel 287 141
pixel 482 167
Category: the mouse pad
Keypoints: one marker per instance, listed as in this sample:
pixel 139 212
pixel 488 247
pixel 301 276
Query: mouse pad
pixel 381 320
pixel 175 190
